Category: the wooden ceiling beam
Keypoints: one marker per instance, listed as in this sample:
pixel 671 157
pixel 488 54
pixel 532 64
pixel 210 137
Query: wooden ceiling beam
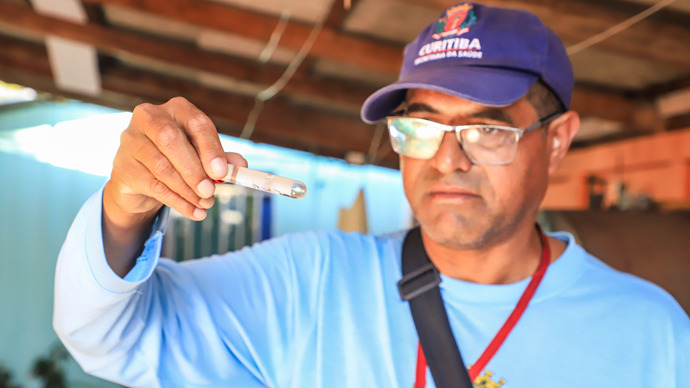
pixel 312 128
pixel 385 58
pixel 37 77
pixel 586 102
pixel 338 14
pixel 573 21
pixel 317 89
pixel 303 128
pixel 349 95
pixel 334 20
pixel 609 106
pixel 605 105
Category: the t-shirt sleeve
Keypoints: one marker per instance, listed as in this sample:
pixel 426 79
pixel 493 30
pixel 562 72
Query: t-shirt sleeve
pixel 232 320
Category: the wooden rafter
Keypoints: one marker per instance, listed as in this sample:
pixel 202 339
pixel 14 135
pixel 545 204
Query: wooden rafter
pixel 282 122
pixel 117 42
pixel 331 44
pixel 336 93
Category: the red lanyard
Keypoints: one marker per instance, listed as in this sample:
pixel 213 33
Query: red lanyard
pixel 420 381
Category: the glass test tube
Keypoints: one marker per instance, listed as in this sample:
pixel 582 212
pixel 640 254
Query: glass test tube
pixel 263 181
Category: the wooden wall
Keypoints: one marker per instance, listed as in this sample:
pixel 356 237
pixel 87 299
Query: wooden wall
pixel 657 165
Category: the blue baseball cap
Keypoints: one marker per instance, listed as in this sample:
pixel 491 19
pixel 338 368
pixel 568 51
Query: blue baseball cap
pixel 488 55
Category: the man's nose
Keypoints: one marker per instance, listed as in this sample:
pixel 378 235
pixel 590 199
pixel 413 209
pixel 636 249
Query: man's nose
pixel 450 155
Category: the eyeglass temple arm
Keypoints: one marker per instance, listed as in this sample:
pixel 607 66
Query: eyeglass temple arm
pixel 540 123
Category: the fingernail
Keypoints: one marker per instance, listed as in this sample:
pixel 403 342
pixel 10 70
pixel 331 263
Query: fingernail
pixel 199 214
pixel 219 167
pixel 206 203
pixel 206 188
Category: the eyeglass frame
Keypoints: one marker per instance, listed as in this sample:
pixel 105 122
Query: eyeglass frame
pixel 459 128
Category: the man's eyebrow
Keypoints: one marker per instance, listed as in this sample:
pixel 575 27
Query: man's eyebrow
pixel 489 113
pixel 419 107
pixel 494 114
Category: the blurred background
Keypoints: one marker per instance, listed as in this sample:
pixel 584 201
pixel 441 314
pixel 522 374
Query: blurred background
pixel 283 80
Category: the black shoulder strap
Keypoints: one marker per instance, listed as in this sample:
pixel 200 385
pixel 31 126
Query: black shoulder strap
pixel 419 286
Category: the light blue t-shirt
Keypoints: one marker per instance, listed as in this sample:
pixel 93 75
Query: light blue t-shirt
pixel 323 310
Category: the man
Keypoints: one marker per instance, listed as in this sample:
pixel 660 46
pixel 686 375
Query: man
pixel 480 119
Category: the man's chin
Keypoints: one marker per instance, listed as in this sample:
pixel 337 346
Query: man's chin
pixel 456 233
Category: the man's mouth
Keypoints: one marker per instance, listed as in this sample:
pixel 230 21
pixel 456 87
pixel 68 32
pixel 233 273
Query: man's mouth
pixel 452 194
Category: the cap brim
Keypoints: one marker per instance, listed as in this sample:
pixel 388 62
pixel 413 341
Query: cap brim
pixel 469 83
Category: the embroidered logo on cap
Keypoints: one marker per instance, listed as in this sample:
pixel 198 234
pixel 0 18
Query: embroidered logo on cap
pixel 456 21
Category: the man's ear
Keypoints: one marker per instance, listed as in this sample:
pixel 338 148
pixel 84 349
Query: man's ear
pixel 562 130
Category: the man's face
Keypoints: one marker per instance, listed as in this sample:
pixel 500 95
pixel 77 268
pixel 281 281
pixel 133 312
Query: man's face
pixel 462 205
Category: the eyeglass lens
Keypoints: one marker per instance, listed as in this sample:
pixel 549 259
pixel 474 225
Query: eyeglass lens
pixel 483 144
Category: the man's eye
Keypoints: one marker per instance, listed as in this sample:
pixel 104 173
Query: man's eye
pixel 488 130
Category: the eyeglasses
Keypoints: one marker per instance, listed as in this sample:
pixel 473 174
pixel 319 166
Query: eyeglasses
pixel 482 143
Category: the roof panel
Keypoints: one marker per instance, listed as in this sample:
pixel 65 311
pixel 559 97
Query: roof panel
pixel 616 71
pixel 303 10
pixel 389 19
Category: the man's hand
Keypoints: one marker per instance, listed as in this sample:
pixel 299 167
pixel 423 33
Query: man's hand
pixel 168 155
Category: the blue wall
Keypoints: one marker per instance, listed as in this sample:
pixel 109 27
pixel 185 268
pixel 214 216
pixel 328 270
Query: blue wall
pixel 31 114
pixel 37 204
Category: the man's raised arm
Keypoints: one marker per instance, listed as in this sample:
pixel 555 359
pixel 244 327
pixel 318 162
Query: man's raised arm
pixel 168 155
